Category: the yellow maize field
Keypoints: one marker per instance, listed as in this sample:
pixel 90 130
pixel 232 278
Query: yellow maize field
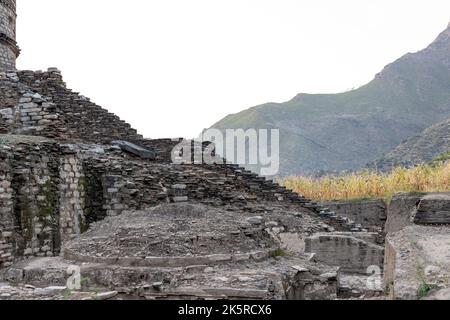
pixel 369 184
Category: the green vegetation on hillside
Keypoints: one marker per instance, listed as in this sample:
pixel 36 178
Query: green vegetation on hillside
pixel 346 131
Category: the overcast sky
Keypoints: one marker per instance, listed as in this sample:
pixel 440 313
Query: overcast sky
pixel 174 67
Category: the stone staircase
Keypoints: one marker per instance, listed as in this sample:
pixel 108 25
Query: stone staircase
pixel 269 190
pixel 84 120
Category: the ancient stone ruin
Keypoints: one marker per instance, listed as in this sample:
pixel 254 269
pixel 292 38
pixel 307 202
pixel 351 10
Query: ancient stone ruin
pixel 9 51
pixel 84 197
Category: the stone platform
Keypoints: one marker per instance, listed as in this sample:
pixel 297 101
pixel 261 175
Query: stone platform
pixel 282 278
pixel 186 251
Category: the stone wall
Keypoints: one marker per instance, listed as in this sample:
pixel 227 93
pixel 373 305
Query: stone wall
pixel 40 199
pixel 84 120
pixel 7 58
pixel 6 211
pixel 35 181
pixel 371 214
pixel 401 210
pixel 26 112
pixel 8 46
pixel 8 19
pixel 71 195
pixel 115 182
pixel 407 209
pixel 390 261
pixel 57 190
pixel 433 209
pixel 353 252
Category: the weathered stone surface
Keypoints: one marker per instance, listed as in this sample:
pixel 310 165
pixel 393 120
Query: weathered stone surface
pixel 353 252
pixel 162 234
pixel 401 210
pixel 9 51
pixel 75 185
pixel 357 285
pixel 271 279
pixel 417 258
pixel 106 295
pixel 258 220
pixel 443 294
pixel 408 209
pixel 371 214
pixel 433 209
pixel 135 149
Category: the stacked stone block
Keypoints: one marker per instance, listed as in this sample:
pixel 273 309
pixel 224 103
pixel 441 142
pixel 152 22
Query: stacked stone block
pixel 84 120
pixel 23 111
pixel 6 214
pixel 9 51
pixel 41 199
pixel 35 180
pixel 71 195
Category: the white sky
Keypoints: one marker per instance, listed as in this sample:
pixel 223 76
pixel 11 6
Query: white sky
pixel 174 67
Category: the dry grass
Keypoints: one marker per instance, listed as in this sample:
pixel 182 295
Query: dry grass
pixel 368 184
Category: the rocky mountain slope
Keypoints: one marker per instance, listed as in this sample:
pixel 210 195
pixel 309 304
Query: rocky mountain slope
pixel 335 132
pixel 423 148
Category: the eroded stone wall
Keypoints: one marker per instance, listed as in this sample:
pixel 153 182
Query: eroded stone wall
pixel 41 199
pixel 71 195
pixel 84 120
pixel 6 211
pixel 353 252
pixel 24 111
pixel 371 214
pixel 401 210
pixel 35 181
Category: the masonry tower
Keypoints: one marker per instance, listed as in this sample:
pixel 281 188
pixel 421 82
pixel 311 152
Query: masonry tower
pixel 9 51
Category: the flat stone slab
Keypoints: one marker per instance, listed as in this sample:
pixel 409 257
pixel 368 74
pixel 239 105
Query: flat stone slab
pixel 135 149
pixel 433 209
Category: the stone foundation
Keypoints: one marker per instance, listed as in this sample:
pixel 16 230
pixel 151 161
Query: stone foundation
pixel 352 252
pixel 371 214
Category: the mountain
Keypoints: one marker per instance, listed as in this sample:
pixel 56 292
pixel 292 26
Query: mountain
pixel 345 131
pixel 423 148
